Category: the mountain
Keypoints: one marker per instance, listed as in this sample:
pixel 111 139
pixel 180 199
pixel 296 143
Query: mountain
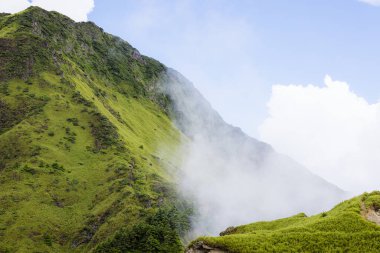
pixel 103 149
pixel 351 226
pixel 80 127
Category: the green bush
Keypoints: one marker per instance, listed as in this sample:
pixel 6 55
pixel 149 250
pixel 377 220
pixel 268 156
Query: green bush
pixel 158 233
pixel 104 132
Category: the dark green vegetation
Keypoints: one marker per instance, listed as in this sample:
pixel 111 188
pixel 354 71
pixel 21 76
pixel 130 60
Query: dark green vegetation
pixel 84 140
pixel 351 226
pixel 156 234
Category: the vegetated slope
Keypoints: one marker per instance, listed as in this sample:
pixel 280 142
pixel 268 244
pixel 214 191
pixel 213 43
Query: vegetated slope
pixel 84 140
pixel 351 226
pixel 88 150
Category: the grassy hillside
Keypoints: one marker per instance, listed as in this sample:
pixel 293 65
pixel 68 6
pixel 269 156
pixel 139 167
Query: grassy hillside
pixel 88 153
pixel 85 142
pixel 351 226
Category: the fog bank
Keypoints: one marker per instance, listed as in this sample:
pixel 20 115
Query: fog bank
pixel 231 178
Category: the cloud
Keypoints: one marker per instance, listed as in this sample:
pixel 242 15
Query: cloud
pixel 12 6
pixel 371 2
pixel 77 10
pixel 231 178
pixel 330 129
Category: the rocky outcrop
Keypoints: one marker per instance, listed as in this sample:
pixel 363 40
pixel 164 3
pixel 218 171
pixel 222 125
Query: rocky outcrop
pixel 371 213
pixel 201 247
pixel 228 231
pixel 373 216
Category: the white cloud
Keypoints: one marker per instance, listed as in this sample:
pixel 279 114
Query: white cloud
pixel 371 2
pixel 330 129
pixel 12 6
pixel 77 10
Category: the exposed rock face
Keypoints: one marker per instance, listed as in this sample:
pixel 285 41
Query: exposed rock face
pixel 373 216
pixel 228 231
pixel 370 213
pixel 201 247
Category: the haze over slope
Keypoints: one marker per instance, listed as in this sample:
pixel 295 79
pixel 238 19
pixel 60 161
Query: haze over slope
pixel 89 155
pixel 233 178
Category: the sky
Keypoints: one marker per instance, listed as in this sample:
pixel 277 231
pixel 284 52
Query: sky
pixel 234 51
pixel 301 75
pixel 330 129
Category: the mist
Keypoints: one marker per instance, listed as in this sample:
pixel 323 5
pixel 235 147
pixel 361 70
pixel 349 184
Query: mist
pixel 231 178
pixel 78 13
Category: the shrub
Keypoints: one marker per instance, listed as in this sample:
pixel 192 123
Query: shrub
pixel 56 166
pixel 74 121
pixel 158 233
pixel 48 240
pixel 104 132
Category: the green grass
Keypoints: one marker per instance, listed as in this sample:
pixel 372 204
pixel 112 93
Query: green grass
pixel 85 142
pixel 88 154
pixel 342 229
pixel 38 199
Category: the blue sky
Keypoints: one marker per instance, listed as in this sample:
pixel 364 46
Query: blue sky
pixel 234 51
pixel 268 66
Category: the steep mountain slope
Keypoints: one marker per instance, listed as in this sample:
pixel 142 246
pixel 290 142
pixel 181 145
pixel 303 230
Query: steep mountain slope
pixel 80 127
pixel 352 226
pixel 90 158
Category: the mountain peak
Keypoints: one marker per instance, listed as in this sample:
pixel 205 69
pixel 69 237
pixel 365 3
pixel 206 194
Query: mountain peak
pixel 53 39
pixel 34 8
pixel 38 12
pixel 80 123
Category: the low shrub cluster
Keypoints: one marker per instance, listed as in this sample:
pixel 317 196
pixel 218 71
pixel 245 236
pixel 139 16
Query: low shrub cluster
pixel 159 232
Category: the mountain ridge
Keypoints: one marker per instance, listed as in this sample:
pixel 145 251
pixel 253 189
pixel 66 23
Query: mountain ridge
pixel 79 143
pixel 90 158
